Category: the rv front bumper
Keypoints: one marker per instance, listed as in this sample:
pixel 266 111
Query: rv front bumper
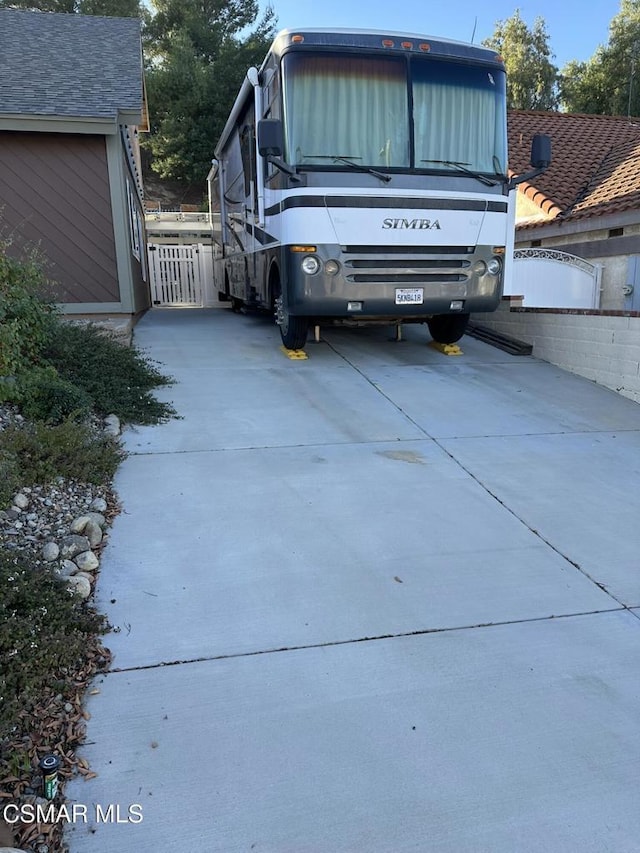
pixel 392 282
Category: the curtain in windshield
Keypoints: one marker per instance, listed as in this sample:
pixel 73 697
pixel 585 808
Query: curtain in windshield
pixel 459 116
pixel 345 106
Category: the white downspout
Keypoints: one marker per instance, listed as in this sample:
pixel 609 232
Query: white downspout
pixel 254 78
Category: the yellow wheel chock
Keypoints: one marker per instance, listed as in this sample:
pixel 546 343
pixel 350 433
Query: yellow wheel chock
pixel 446 349
pixel 294 354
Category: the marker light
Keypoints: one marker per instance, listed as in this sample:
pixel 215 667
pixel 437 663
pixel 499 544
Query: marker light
pixel 425 47
pixel 387 43
pixel 297 39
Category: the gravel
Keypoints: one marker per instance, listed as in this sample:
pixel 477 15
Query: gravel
pixel 39 519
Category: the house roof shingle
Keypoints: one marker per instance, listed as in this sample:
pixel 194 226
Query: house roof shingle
pixel 82 66
pixel 595 168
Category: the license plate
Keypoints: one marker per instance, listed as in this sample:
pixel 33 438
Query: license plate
pixel 409 295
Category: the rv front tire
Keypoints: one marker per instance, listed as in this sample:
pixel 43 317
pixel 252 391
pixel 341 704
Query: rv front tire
pixel 448 328
pixel 293 331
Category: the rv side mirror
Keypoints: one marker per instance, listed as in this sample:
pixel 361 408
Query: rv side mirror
pixel 270 137
pixel 541 151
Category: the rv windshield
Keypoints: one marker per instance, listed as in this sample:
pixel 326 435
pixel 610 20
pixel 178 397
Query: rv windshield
pixel 347 107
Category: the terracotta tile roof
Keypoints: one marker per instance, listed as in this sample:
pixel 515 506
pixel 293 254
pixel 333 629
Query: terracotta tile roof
pixel 595 168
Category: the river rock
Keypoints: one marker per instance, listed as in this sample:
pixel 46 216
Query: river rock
pixel 79 585
pixel 112 425
pixel 98 505
pixel 93 533
pixel 50 552
pixel 65 570
pixel 78 524
pixel 72 545
pixel 86 561
pixel 98 517
pixel 21 500
pixel 84 575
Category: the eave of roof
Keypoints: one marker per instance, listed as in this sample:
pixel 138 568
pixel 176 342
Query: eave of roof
pixel 58 124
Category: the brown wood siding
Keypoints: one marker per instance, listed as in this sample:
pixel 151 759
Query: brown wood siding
pixel 54 194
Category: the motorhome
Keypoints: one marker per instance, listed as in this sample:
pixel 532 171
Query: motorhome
pixel 362 177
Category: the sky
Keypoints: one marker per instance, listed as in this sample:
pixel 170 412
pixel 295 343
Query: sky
pixel 575 27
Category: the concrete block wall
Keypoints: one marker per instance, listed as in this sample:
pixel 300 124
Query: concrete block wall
pixel 601 346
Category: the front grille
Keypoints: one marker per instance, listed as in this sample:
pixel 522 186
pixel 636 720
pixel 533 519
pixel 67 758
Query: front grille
pixel 405 278
pixel 438 264
pixel 415 264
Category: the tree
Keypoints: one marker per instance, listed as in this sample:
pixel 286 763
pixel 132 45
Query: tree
pixel 110 8
pixel 181 140
pixel 209 24
pixel 609 82
pixel 198 54
pixel 531 76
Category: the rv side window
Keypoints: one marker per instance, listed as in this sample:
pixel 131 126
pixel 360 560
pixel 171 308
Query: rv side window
pixel 247 147
pixel 272 92
pixel 216 222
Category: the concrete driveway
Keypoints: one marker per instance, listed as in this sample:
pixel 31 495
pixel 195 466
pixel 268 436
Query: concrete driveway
pixel 380 600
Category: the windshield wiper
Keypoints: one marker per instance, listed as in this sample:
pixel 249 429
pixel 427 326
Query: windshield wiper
pixel 463 168
pixel 339 158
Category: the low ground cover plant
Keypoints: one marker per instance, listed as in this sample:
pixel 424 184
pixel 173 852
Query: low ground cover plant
pixel 58 380
pixel 53 369
pixel 44 632
pixel 116 379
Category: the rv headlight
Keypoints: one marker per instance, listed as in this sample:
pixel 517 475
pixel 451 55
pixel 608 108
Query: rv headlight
pixel 332 267
pixel 494 266
pixel 479 268
pixel 310 265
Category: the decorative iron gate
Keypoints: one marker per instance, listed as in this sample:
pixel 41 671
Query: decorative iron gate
pixel 176 275
pixel 548 278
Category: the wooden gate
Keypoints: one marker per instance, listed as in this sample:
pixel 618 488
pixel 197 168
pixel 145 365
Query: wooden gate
pixel 176 275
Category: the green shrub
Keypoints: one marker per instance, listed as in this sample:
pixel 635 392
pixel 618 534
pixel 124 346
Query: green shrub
pixel 37 453
pixel 118 379
pixel 25 318
pixel 42 395
pixel 9 474
pixel 43 634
